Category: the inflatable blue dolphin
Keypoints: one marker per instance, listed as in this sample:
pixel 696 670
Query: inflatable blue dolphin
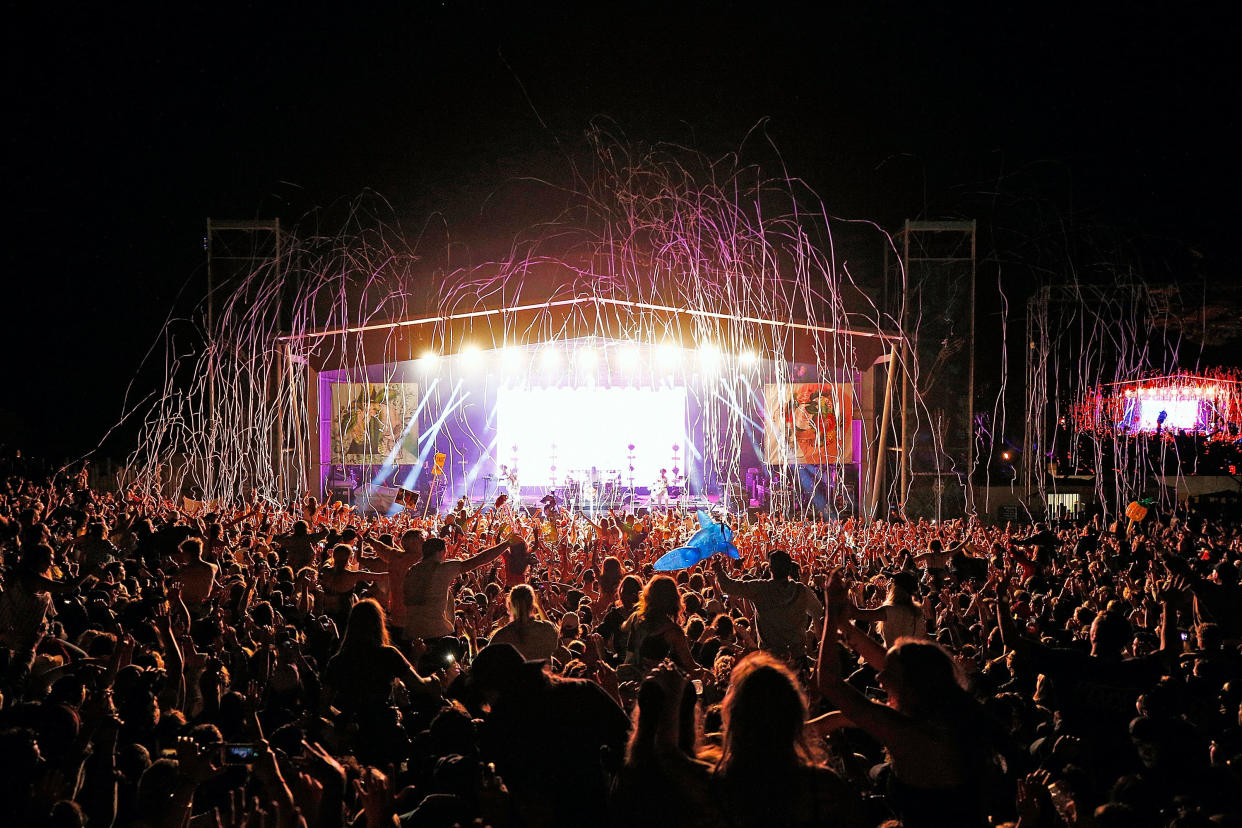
pixel 711 538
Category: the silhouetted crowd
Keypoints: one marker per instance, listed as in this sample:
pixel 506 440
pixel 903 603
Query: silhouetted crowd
pixel 256 664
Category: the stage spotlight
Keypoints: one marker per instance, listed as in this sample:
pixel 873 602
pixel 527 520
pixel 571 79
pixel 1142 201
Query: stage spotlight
pixel 428 359
pixel 471 355
pixel 510 357
pixel 748 358
pixel 587 358
pixel 630 355
pixel 709 356
pixel 550 358
pixel 668 354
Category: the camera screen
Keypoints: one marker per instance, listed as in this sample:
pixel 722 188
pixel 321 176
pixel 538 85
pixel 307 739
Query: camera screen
pixel 239 754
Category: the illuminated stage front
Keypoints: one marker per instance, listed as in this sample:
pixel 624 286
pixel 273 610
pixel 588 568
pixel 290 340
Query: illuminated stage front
pixel 596 421
pixel 548 434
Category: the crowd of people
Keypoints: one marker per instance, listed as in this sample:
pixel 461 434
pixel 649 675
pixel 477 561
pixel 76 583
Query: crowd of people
pixel 251 664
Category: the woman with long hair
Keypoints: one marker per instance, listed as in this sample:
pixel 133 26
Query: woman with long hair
pixel 899 616
pixel 339 580
pixel 662 779
pixel 610 581
pixel 766 771
pixel 935 733
pixel 528 630
pixel 654 629
pixel 359 677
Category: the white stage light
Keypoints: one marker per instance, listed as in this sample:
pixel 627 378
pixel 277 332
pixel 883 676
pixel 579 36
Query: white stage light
pixel 550 358
pixel 510 357
pixel 748 358
pixel 428 359
pixel 709 356
pixel 471 355
pixel 630 355
pixel 587 358
pixel 668 355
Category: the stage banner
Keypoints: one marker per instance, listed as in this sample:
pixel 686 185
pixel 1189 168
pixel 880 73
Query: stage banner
pixel 370 422
pixel 808 423
pixel 375 498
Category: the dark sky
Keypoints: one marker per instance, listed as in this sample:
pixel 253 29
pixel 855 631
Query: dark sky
pixel 127 128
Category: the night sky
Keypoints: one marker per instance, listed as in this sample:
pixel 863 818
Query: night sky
pixel 128 128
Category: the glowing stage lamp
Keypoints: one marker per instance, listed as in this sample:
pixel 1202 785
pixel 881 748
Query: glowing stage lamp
pixel 550 359
pixel 471 355
pixel 428 359
pixel 709 356
pixel 629 356
pixel 748 358
pixel 587 359
pixel 510 358
pixel 668 355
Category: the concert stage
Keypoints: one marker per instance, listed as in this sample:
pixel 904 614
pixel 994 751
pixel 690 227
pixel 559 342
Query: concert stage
pixel 598 420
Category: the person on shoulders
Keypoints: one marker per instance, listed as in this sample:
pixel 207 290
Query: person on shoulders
pixel 898 617
pixel 528 630
pixel 197 576
pixel 427 594
pixel 785 607
pixel 654 631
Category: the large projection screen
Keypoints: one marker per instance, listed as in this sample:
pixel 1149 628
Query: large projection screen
pixel 585 427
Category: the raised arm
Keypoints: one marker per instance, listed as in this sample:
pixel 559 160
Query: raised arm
pixel 487 555
pixel 381 549
pixel 882 722
pixel 872 651
pixel 742 589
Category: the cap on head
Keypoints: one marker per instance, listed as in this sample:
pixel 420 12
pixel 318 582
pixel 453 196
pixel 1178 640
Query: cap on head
pixel 780 563
pixel 906 581
pixel 496 666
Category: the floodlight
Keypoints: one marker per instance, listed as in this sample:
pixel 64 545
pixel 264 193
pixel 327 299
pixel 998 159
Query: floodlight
pixel 630 355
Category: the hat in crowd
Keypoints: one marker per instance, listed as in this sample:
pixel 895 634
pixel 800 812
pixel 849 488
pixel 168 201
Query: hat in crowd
pixel 498 666
pixel 906 581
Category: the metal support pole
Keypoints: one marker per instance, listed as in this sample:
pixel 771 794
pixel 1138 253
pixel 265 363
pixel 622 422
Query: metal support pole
pixel 878 468
pixel 905 372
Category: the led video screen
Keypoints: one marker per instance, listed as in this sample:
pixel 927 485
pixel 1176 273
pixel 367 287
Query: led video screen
pixel 577 428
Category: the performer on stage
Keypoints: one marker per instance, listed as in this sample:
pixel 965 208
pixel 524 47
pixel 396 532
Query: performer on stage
pixel 509 480
pixel 659 491
pixel 572 492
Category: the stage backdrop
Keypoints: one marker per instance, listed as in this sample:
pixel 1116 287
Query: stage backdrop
pixel 808 423
pixel 371 421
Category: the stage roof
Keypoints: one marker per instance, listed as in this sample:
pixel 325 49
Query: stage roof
pixel 585 316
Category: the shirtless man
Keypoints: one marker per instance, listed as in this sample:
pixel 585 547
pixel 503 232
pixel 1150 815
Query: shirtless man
pixel 427 590
pixel 399 559
pixel 197 576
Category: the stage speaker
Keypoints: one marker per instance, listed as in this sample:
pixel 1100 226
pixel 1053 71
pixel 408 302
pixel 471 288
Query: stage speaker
pixel 340 494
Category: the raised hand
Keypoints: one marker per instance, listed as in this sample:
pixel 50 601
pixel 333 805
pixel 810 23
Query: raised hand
pixel 375 792
pixel 194 761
